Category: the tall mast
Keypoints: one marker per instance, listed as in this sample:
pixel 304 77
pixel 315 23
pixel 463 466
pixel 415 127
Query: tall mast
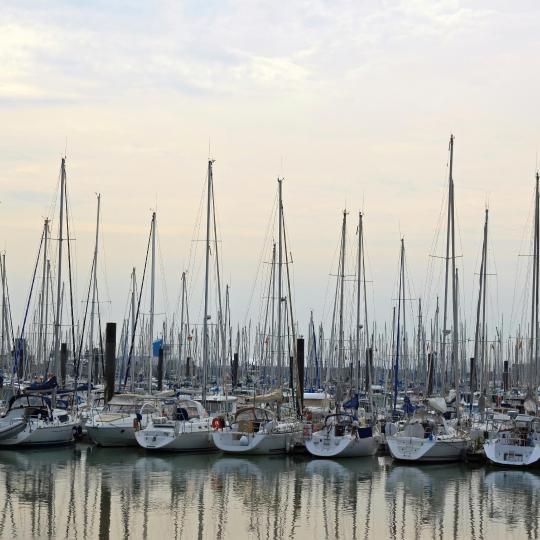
pixel 4 318
pixel 537 257
pixel 455 327
pixel 133 300
pixel 58 322
pixel 362 284
pixel 446 271
pixel 94 289
pixel 152 297
pixel 398 333
pixel 206 284
pixel 280 262
pixel 358 303
pixel 3 328
pixel 220 330
pixel 479 333
pixel 181 333
pixel 46 352
pixel 534 296
pixel 273 310
pixel 43 303
pixel 339 396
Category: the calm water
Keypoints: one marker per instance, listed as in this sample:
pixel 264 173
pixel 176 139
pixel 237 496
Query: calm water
pixel 86 492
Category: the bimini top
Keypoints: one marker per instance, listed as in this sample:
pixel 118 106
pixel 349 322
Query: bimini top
pixel 21 401
pixel 124 399
pixel 193 408
pixel 254 413
pixel 339 418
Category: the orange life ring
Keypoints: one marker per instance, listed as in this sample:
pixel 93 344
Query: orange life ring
pixel 216 423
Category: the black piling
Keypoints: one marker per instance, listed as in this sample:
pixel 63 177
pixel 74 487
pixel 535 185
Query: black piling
pixel 63 364
pixel 110 360
pixel 160 370
pixel 300 362
pixel 234 371
pixel 506 376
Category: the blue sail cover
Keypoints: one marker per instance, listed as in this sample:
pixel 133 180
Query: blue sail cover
pixel 46 385
pixel 408 407
pixel 156 345
pixel 352 403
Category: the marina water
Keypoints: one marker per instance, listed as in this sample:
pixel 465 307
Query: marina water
pixel 84 492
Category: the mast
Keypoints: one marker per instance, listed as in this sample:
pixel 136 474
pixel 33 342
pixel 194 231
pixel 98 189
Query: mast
pixel 280 293
pixel 4 316
pixel 297 385
pixel 46 352
pixel 220 331
pixel 534 296
pixel 455 327
pixel 446 270
pixel 152 298
pixel 339 390
pixel 181 333
pixel 206 284
pixel 43 305
pixel 358 303
pixel 401 293
pixel 479 336
pixel 58 322
pixel 94 289
pixel 537 252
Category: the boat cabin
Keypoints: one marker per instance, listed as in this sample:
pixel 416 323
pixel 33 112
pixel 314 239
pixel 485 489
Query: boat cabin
pixel 251 419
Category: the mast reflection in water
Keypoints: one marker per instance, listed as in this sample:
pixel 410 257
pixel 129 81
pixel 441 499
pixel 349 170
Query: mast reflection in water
pixel 85 492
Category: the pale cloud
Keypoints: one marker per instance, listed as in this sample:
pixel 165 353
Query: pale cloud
pixel 356 99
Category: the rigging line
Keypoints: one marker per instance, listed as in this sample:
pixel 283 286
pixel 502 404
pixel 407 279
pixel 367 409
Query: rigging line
pixel 328 278
pixel 528 223
pixel 78 357
pixel 164 290
pixel 105 272
pixel 269 229
pixel 10 326
pixel 52 205
pixel 19 343
pixel 128 365
pixel 193 248
pixel 101 355
pixel 434 243
pixel 69 271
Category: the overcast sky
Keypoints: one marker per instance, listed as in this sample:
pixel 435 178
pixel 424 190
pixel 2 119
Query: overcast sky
pixel 352 102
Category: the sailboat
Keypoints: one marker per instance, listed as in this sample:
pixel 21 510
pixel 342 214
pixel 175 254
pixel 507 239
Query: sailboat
pixel 44 422
pixel 518 443
pixel 344 435
pixel 31 420
pixel 183 426
pixel 258 430
pixel 428 436
pixel 189 428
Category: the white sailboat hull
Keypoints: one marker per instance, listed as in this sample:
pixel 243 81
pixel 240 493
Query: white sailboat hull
pixel 427 450
pixel 115 435
pixel 512 455
pixel 332 446
pixel 11 429
pixel 184 438
pixel 111 429
pixel 260 443
pixel 39 433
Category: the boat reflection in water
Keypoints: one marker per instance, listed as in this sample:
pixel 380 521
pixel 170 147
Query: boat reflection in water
pixel 88 492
